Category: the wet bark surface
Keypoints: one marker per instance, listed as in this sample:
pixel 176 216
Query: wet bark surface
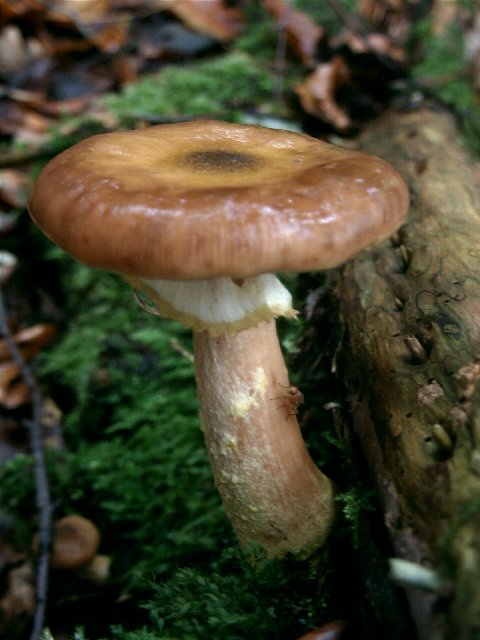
pixel 411 362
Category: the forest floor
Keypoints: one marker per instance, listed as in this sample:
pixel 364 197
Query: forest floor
pixel 109 389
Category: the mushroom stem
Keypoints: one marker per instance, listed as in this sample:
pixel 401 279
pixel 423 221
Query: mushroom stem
pixel 272 491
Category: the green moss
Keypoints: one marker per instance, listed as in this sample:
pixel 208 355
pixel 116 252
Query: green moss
pixel 225 86
pixel 260 36
pixel 442 71
pixel 135 463
pixel 455 537
pixel 443 57
pixel 355 503
pixel 217 87
pixel 232 602
pixel 324 14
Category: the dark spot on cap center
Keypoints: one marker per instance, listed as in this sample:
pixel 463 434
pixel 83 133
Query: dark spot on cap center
pixel 220 160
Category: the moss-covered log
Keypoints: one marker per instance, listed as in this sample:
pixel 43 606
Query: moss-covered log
pixel 411 362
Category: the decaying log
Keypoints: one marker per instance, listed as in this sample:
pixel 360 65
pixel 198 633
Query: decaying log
pixel 411 362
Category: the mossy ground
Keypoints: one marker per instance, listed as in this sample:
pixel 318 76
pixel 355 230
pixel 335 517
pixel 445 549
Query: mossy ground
pixel 134 460
pixel 135 464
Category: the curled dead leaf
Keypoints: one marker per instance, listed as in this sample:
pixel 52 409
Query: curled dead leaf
pixel 14 188
pixel 317 93
pixel 29 340
pixel 23 123
pixel 303 34
pixel 375 43
pixel 87 11
pixel 214 18
pixel 14 392
pixel 37 101
pixel 91 19
pixel 15 9
pixel 9 371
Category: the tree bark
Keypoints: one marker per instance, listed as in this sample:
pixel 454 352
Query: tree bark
pixel 410 359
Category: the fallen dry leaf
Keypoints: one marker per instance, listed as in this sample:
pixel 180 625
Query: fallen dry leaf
pixel 303 34
pixel 86 11
pixel 29 340
pixel 317 93
pixel 213 17
pixel 63 54
pixel 14 189
pixel 374 43
pixel 14 392
pixel 23 123
pixel 36 101
pixel 93 20
pixel 13 9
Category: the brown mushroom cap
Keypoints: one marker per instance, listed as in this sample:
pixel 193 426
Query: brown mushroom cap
pixel 75 542
pixel 206 199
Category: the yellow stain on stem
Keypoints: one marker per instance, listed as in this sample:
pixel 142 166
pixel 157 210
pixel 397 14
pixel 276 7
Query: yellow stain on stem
pixel 243 401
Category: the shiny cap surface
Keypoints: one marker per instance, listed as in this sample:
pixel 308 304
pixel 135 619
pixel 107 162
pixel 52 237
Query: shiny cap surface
pixel 206 199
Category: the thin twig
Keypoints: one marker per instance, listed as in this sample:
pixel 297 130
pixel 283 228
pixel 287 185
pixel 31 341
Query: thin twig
pixel 42 489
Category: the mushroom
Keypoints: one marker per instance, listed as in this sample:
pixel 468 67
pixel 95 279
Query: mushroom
pixel 198 216
pixel 75 542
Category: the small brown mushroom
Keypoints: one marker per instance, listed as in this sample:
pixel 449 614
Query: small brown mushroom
pixel 198 215
pixel 75 542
